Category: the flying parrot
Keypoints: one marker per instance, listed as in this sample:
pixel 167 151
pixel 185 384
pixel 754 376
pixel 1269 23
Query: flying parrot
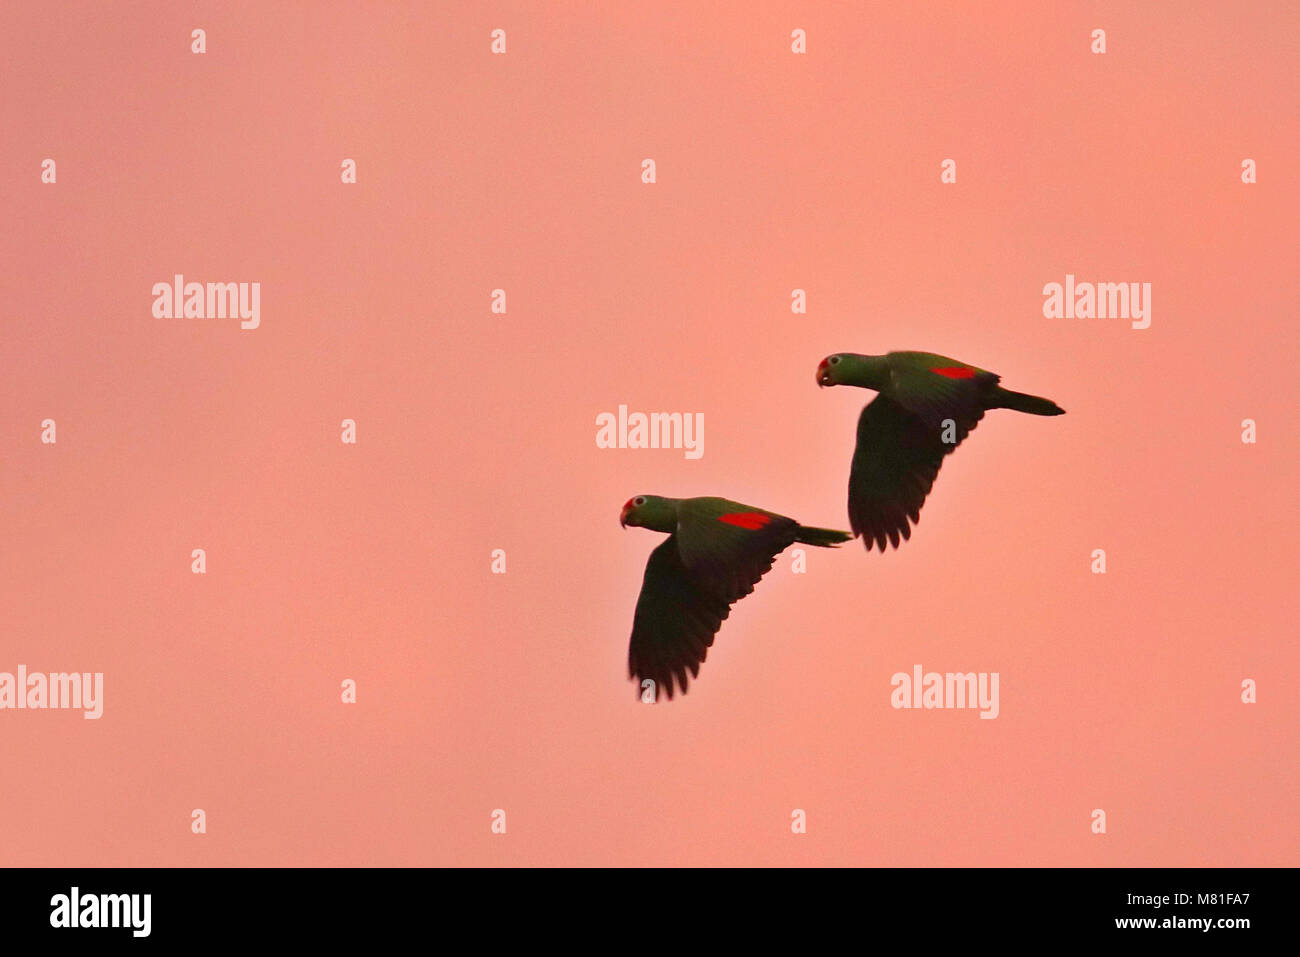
pixel 927 405
pixel 715 552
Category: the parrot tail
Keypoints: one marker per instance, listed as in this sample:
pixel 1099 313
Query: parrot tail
pixel 1022 402
pixel 822 537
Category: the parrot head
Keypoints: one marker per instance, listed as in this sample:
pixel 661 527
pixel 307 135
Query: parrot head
pixel 826 370
pixel 849 368
pixel 649 511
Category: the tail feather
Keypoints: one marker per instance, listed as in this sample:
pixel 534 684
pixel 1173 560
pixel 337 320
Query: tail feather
pixel 1023 402
pixel 822 537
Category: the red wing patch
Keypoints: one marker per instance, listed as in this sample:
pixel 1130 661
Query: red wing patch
pixel 750 520
pixel 954 372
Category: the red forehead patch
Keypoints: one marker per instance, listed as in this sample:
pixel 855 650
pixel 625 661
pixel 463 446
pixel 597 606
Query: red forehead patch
pixel 954 372
pixel 750 520
pixel 628 503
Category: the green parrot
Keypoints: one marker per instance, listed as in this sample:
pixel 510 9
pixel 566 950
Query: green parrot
pixel 715 552
pixel 927 405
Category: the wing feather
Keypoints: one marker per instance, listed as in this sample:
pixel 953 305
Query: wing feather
pixel 674 622
pixel 691 581
pixel 897 458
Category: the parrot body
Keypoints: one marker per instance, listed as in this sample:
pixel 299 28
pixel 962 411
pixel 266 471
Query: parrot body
pixel 716 551
pixel 927 405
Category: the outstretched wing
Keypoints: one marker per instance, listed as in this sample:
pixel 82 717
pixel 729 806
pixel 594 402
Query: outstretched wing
pixel 674 622
pixel 717 555
pixel 895 463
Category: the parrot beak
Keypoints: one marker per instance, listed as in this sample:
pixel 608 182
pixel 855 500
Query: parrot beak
pixel 622 516
pixel 824 374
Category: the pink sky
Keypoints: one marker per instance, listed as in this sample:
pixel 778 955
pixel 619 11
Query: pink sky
pixel 476 431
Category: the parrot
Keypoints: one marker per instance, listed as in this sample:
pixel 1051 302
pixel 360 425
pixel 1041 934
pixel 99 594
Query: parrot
pixel 715 552
pixel 927 404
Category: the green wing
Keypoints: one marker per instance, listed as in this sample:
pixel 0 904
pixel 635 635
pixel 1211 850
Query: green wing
pixel 727 546
pixel 895 463
pixel 928 408
pixel 717 555
pixel 674 623
pixel 956 391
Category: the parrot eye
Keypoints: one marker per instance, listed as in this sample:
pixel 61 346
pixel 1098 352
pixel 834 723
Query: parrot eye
pixel 835 360
pixel 639 500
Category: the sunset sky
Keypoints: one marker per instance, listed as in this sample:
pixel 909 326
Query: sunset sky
pixel 522 171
